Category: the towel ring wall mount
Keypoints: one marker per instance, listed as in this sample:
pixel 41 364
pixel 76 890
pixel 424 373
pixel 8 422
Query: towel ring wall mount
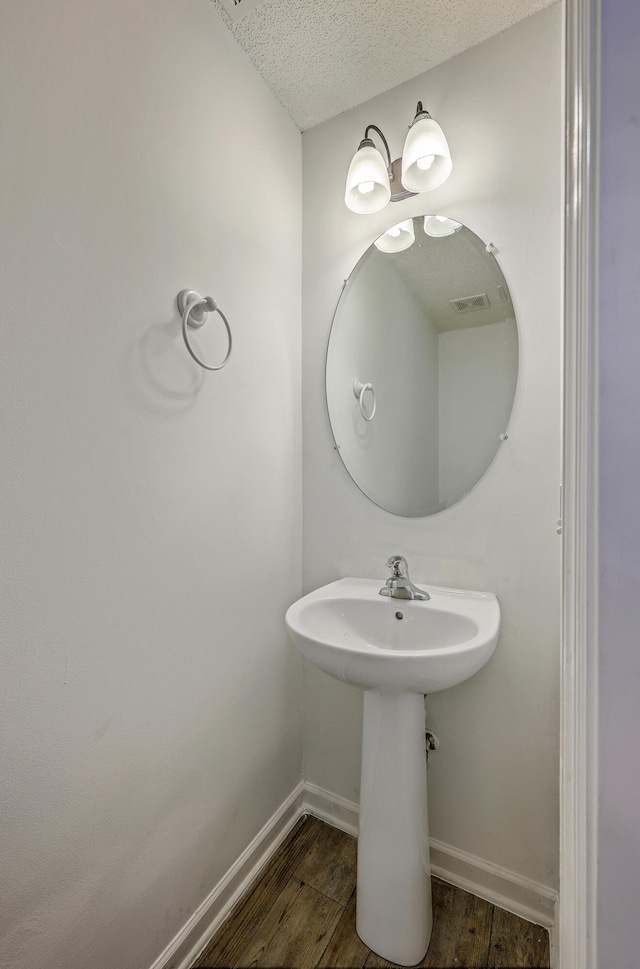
pixel 194 310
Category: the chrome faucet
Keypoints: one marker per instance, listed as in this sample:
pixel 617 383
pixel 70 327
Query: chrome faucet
pixel 399 585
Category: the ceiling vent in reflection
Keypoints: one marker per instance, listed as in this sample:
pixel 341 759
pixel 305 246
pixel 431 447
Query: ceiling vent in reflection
pixel 238 8
pixel 467 304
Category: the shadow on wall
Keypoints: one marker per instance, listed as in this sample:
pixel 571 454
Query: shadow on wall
pixel 159 373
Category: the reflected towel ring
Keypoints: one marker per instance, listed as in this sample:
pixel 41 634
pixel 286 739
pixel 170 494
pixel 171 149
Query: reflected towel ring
pixel 194 309
pixel 359 390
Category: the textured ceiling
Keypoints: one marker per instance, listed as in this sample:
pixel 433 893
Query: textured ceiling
pixel 321 57
pixel 437 271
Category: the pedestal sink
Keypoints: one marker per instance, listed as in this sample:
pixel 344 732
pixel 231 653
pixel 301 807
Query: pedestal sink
pixel 396 650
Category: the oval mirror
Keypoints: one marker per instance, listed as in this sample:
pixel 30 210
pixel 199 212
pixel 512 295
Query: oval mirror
pixel 422 365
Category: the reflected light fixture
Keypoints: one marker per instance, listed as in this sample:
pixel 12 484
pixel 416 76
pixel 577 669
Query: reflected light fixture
pixel 397 238
pixel 425 164
pixel 438 226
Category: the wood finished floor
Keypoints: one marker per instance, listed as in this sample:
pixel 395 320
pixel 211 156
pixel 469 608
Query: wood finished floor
pixel 300 914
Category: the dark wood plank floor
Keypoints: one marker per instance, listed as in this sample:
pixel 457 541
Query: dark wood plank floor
pixel 300 913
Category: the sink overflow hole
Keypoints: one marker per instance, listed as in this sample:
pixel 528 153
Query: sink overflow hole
pixel 399 615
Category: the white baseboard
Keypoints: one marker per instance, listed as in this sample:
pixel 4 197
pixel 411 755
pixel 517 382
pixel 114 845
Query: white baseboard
pixel 497 885
pixel 502 887
pixel 331 808
pixel 193 936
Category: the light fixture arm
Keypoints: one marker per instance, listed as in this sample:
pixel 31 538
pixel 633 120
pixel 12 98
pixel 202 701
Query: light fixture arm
pixel 367 140
pixel 420 113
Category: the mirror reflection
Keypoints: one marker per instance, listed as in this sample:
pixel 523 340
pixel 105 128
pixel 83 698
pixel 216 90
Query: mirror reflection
pixel 422 366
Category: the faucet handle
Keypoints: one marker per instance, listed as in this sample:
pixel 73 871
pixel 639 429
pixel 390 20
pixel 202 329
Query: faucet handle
pixel 399 566
pixel 399 585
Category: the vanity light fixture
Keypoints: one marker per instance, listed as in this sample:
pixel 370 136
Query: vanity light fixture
pixel 438 226
pixel 397 238
pixel 425 164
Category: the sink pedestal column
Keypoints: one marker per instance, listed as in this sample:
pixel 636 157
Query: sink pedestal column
pixel 394 914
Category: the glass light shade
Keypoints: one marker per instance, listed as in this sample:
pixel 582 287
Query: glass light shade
pixel 426 159
pixel 397 238
pixel 439 226
pixel 367 187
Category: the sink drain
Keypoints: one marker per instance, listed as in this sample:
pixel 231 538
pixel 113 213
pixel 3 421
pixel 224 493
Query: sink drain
pixel 399 615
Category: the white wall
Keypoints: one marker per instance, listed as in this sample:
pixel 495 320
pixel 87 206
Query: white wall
pixel 494 782
pixel 149 699
pixel 619 538
pixel 478 375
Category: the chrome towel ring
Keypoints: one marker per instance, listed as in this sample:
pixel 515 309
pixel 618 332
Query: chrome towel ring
pixel 194 310
pixel 359 390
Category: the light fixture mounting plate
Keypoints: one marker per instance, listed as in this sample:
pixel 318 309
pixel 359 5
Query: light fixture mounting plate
pixel 398 191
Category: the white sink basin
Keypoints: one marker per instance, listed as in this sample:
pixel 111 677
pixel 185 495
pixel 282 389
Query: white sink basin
pixel 395 650
pixel 356 635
